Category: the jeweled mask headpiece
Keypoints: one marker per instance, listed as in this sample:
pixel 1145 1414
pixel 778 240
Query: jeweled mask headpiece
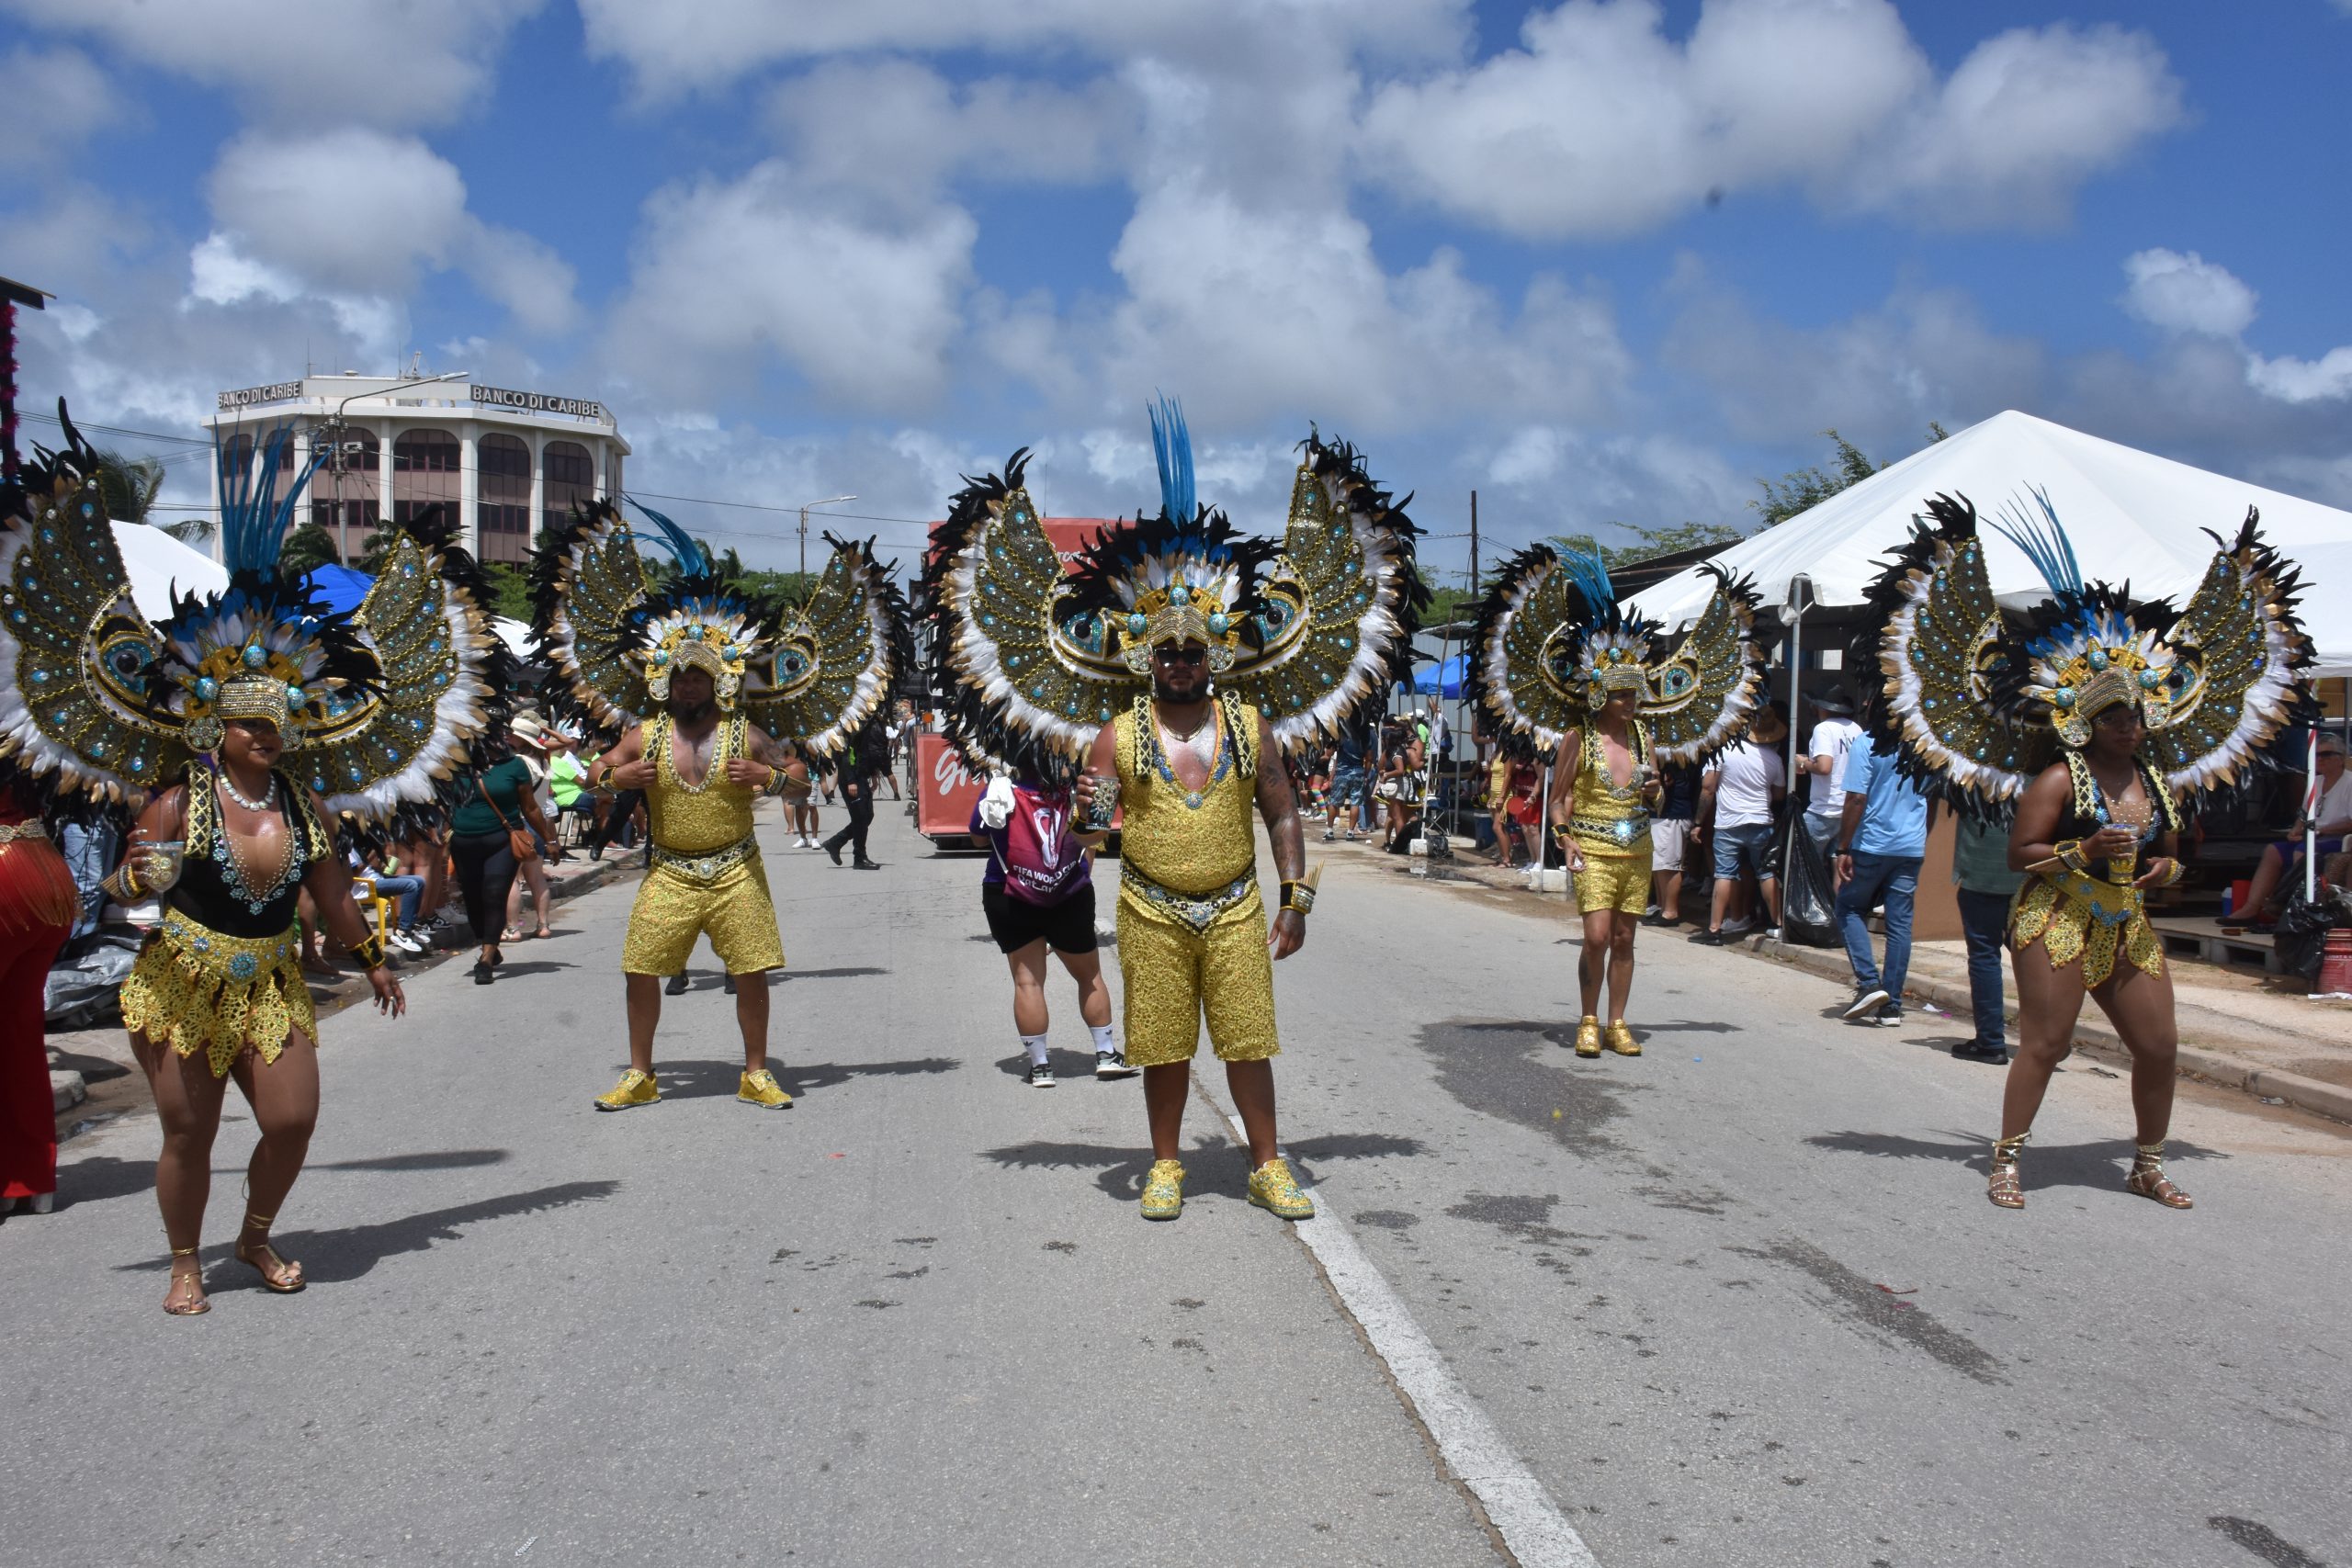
pixel 2089 655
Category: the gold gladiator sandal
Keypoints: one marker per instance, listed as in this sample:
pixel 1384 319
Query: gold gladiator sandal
pixel 2004 1189
pixel 1589 1036
pixel 1619 1035
pixel 193 1305
pixel 277 1276
pixel 2149 1181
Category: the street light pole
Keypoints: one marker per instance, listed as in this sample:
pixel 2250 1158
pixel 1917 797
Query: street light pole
pixel 828 501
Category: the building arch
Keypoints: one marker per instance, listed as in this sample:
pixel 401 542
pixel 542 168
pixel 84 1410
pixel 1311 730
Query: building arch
pixel 569 478
pixel 427 465
pixel 503 497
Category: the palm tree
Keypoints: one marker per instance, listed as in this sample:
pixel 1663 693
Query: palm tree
pixel 307 548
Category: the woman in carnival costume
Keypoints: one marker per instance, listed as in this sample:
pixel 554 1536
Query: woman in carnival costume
pixel 2094 724
pixel 701 676
pixel 249 723
pixel 1559 671
pixel 1177 661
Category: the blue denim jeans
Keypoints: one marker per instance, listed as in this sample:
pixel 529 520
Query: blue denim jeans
pixel 1894 879
pixel 1984 921
pixel 90 854
pixel 409 890
pixel 1745 844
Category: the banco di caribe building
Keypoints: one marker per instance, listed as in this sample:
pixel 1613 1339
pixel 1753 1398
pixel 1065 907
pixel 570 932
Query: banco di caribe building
pixel 506 462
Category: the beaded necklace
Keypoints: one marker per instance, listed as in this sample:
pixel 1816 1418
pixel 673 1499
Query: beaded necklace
pixel 236 874
pixel 1218 739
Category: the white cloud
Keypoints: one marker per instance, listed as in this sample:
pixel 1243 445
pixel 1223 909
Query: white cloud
pixel 416 62
pixel 2296 380
pixel 1601 124
pixel 2186 293
pixel 728 271
pixel 355 212
pixel 691 48
pixel 57 101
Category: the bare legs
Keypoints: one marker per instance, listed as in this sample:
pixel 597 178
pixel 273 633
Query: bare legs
pixel 2138 1005
pixel 644 993
pixel 1608 946
pixel 1251 1083
pixel 1028 966
pixel 284 1096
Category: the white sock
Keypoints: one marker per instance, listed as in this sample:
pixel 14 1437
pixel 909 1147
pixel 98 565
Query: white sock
pixel 1037 1044
pixel 1103 1038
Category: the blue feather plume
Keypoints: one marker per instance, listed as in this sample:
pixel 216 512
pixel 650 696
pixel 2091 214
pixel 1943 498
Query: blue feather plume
pixel 1173 444
pixel 674 539
pixel 253 517
pixel 2044 542
pixel 1589 575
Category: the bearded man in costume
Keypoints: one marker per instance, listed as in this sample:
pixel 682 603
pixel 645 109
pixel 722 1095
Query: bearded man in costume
pixel 2092 725
pixel 1559 668
pixel 249 724
pixel 1176 662
pixel 712 668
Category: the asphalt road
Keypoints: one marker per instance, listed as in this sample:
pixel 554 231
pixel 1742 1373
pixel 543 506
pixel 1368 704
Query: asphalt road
pixel 1738 1300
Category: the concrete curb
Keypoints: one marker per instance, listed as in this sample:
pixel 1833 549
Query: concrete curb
pixel 2195 1061
pixel 65 1090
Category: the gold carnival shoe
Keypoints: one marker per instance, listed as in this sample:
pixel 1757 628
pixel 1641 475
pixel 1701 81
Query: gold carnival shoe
pixel 635 1088
pixel 1619 1035
pixel 2148 1179
pixel 1273 1188
pixel 761 1089
pixel 277 1276
pixel 1164 1191
pixel 1589 1036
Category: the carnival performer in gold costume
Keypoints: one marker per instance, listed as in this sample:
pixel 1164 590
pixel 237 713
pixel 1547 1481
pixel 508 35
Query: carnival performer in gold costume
pixel 708 661
pixel 2145 708
pixel 1558 667
pixel 258 720
pixel 1044 670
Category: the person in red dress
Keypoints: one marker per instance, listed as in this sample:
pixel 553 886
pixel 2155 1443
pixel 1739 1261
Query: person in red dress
pixel 36 908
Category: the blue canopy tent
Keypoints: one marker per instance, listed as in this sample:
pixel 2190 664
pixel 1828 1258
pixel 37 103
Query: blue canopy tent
pixel 341 586
pixel 1443 678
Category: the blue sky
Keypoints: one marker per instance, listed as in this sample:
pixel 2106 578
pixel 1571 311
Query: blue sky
pixel 1603 262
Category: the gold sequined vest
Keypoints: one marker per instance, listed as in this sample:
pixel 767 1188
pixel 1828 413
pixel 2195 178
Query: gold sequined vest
pixel 695 819
pixel 1603 819
pixel 1193 842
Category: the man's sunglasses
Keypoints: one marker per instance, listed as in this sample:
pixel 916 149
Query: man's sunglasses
pixel 1169 655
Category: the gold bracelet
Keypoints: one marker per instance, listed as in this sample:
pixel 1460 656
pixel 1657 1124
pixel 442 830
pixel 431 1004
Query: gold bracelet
pixel 2071 852
pixel 369 951
pixel 1298 897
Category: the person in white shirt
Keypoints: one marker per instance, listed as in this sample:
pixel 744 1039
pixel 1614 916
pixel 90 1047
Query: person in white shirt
pixel 2333 821
pixel 1736 799
pixel 1833 730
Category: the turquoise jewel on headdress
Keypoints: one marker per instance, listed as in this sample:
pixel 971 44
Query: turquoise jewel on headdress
pixel 2062 698
pixel 729 651
pixel 1139 623
pixel 1179 595
pixel 293 696
pixel 206 688
pixel 1217 623
pixel 661 656
pixel 2150 680
pixel 255 655
pixel 2096 658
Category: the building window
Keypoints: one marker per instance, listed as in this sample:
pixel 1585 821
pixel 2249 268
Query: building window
pixel 569 479
pixel 424 472
pixel 503 497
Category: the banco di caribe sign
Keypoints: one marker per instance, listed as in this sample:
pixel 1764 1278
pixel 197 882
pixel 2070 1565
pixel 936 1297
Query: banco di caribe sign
pixel 536 402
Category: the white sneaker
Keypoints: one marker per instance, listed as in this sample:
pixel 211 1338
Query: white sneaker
pixel 1041 1074
pixel 406 942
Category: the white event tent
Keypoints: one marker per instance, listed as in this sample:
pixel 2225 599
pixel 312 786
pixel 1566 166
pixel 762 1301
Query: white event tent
pixel 158 565
pixel 2130 513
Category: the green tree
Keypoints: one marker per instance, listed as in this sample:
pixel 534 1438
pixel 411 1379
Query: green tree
pixel 306 547
pixel 1800 489
pixel 129 486
pixel 510 590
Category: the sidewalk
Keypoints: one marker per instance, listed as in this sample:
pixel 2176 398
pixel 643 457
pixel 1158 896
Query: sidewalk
pixel 2253 1032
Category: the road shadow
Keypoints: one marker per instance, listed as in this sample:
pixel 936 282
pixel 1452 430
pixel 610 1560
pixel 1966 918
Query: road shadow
pixel 97 1177
pixel 1686 1026
pixel 94 1069
pixel 1067 1064
pixel 1307 1155
pixel 700 1080
pixel 337 1257
pixel 1119 1169
pixel 2100 1164
pixel 516 968
pixel 843 972
pixel 432 1159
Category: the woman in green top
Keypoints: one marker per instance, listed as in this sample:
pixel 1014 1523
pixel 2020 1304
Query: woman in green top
pixel 498 798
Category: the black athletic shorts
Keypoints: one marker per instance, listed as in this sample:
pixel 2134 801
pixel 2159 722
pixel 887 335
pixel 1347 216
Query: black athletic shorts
pixel 1068 927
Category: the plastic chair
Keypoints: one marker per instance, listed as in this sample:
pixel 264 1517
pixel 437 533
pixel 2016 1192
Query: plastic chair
pixel 364 894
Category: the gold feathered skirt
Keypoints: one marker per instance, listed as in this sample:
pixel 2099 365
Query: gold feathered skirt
pixel 2087 918
pixel 195 989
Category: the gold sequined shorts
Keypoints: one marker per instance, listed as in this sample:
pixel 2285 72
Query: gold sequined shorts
pixel 195 989
pixel 2069 928
pixel 1173 974
pixel 1614 882
pixel 734 911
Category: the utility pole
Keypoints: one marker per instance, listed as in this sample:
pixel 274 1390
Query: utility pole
pixel 1473 544
pixel 828 501
pixel 12 294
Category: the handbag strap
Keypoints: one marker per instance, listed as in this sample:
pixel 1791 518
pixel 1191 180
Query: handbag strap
pixel 484 790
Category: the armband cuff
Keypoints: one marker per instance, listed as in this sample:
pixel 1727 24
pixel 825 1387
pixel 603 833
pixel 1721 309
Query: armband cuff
pixel 2071 852
pixel 1298 896
pixel 369 951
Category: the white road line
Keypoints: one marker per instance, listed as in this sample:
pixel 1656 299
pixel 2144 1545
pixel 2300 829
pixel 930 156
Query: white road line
pixel 1531 1526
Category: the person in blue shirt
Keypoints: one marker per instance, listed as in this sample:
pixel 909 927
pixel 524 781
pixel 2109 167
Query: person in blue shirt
pixel 1881 838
